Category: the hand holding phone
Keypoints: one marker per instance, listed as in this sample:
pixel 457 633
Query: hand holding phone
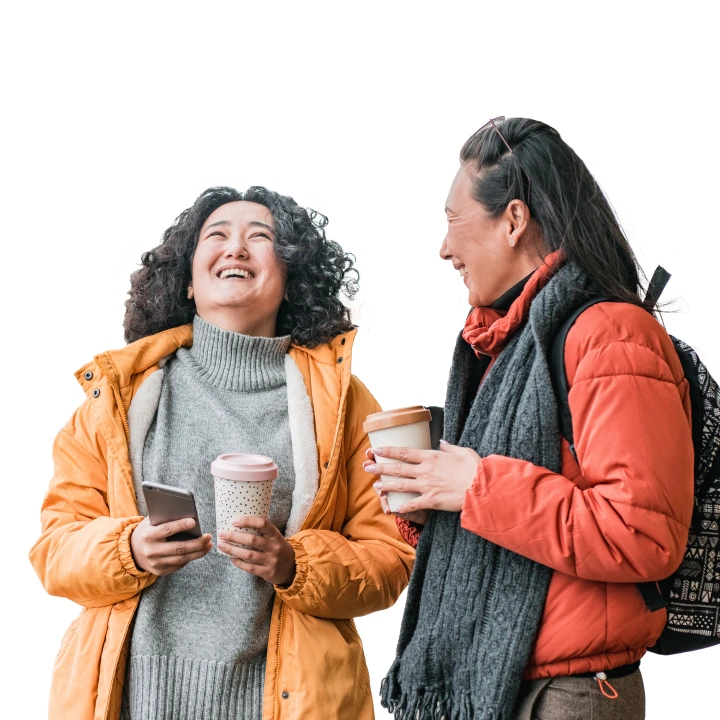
pixel 152 552
pixel 160 543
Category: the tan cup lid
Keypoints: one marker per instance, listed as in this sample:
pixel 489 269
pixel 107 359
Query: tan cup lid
pixel 393 418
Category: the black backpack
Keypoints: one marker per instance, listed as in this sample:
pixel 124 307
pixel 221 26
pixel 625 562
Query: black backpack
pixel 692 593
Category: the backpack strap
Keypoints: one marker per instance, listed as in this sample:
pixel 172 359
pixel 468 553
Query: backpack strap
pixel 657 284
pixel 559 376
pixel 649 590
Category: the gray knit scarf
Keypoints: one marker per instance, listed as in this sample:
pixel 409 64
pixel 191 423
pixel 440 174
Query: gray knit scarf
pixel 473 608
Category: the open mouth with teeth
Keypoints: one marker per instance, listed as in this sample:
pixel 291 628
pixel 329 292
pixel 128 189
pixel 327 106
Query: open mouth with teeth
pixel 235 273
pixel 463 271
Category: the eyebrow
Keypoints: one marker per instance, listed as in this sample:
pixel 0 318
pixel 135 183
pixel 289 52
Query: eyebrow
pixel 257 223
pixel 252 223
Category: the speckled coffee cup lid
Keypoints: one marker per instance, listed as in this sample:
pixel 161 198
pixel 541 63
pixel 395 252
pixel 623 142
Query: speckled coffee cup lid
pixel 393 418
pixel 244 467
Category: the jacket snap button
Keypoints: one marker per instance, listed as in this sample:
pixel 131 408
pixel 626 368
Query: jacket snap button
pixel 342 342
pixel 327 464
pixel 96 392
pixel 285 695
pixel 340 360
pixel 88 375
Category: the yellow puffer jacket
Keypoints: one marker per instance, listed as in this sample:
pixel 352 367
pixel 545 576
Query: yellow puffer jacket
pixel 351 559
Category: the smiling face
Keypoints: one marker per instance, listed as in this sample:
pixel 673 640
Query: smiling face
pixel 237 280
pixel 487 252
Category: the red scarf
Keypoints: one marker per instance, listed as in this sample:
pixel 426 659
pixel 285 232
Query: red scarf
pixel 489 330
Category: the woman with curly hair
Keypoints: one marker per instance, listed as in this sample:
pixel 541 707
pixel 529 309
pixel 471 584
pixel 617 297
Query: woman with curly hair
pixel 238 343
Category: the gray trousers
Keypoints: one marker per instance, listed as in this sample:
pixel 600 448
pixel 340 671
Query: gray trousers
pixel 571 698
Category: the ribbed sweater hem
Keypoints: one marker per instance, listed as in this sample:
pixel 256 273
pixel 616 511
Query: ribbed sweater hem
pixel 175 688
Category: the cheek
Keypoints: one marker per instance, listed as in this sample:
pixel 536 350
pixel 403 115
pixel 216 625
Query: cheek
pixel 203 260
pixel 464 243
pixel 275 270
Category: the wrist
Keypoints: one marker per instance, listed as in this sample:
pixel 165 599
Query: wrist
pixel 128 549
pixel 289 578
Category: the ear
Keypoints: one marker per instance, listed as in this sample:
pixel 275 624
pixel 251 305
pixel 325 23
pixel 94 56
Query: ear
pixel 517 216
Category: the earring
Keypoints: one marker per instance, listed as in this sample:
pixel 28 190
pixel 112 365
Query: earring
pixel 190 293
pixel 512 243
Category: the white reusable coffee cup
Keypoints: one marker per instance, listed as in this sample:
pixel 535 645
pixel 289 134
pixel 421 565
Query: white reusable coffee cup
pixel 406 427
pixel 243 486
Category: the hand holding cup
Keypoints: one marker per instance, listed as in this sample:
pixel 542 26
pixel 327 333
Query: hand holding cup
pixel 256 546
pixel 419 516
pixel 407 427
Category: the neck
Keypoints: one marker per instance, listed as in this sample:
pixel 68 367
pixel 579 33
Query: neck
pixel 242 323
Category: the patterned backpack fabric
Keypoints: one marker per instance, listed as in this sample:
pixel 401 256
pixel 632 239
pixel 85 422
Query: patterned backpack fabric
pixel 692 593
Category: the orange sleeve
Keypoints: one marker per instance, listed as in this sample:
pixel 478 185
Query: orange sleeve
pixel 83 554
pixel 409 530
pixel 626 518
pixel 366 566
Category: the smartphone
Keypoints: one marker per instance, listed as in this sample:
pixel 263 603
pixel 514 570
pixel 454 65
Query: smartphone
pixel 166 503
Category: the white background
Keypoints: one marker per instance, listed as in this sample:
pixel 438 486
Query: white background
pixel 379 631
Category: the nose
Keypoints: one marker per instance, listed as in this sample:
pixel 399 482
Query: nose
pixel 444 253
pixel 236 246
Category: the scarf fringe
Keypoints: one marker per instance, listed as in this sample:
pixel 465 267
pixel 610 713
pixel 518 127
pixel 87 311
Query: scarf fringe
pixel 430 703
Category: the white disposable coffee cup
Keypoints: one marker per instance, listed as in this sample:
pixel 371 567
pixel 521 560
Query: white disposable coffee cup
pixel 243 486
pixel 406 427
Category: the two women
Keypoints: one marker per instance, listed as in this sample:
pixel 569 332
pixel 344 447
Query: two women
pixel 238 343
pixel 523 602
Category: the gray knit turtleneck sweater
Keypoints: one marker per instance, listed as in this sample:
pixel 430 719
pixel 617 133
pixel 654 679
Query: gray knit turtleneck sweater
pixel 200 635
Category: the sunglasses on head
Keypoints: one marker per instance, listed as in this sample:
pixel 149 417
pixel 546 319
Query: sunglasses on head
pixel 493 124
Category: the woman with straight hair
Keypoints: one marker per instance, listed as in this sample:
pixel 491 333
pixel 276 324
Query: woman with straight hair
pixel 239 343
pixel 524 603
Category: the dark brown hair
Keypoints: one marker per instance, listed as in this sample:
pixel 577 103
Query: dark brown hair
pixel 565 200
pixel 318 271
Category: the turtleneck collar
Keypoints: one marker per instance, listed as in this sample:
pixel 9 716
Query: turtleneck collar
pixel 232 361
pixel 489 329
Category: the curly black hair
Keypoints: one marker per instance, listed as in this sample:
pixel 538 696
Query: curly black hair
pixel 318 271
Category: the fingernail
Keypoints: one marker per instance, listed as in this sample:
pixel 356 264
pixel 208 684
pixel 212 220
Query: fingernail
pixel 378 485
pixel 189 522
pixel 371 468
pixel 377 452
pixel 444 442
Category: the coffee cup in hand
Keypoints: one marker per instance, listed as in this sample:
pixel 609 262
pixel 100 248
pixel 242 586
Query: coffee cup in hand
pixel 243 486
pixel 406 427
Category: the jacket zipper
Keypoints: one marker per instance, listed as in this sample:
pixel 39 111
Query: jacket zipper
pixel 117 663
pixel 276 713
pixel 118 398
pixel 333 492
pixel 314 526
